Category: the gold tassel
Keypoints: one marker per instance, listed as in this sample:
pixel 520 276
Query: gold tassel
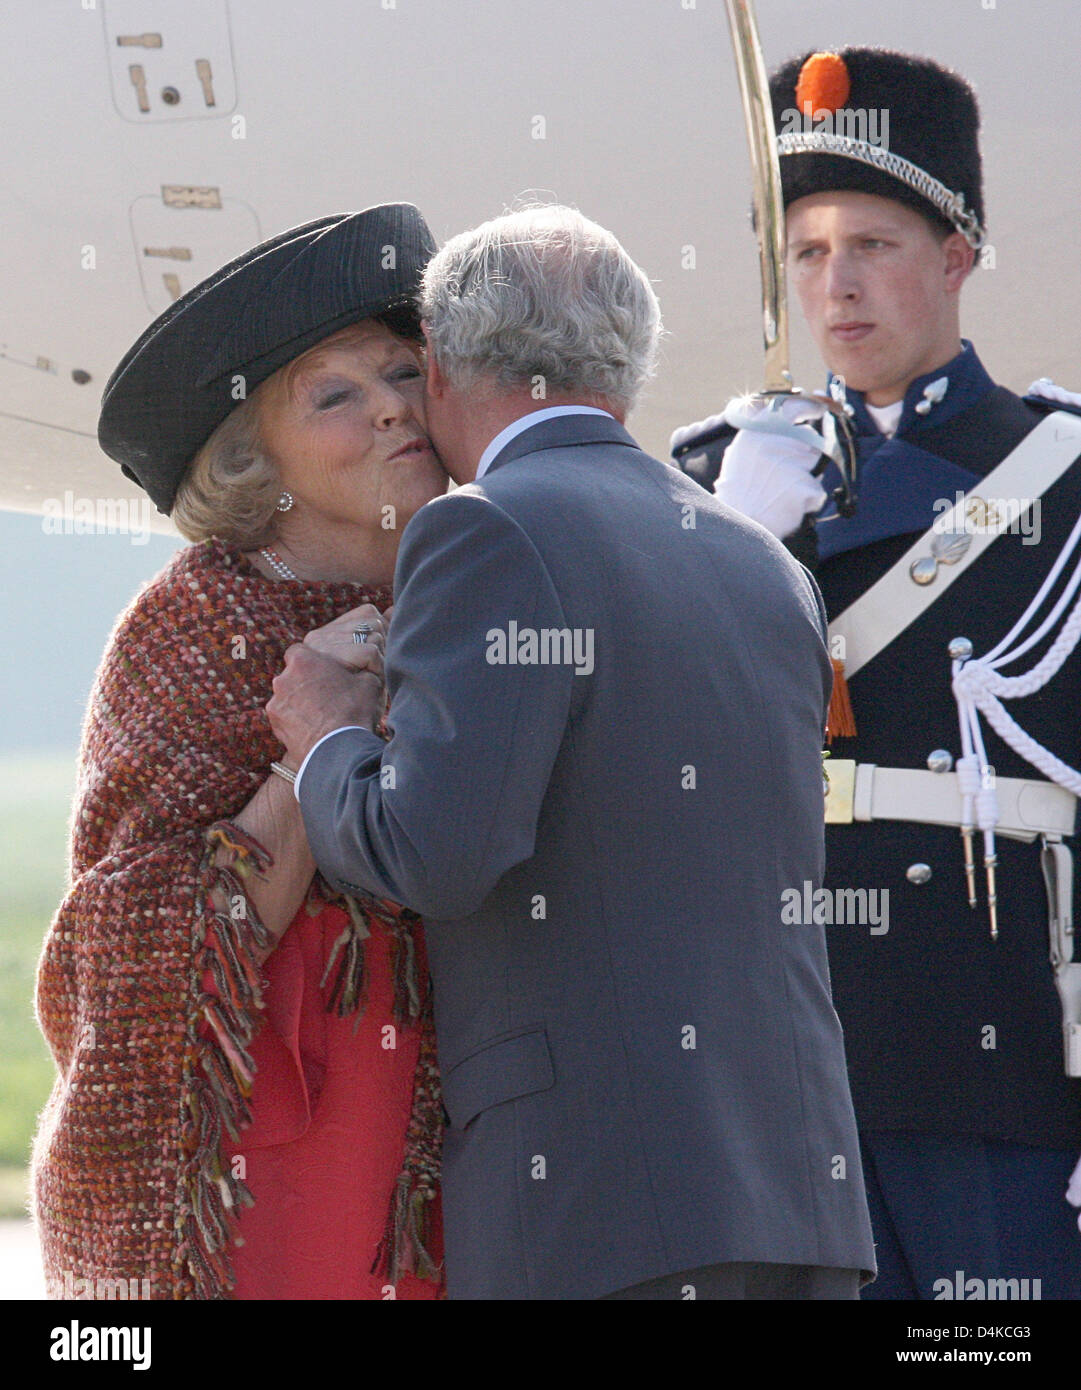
pixel 840 721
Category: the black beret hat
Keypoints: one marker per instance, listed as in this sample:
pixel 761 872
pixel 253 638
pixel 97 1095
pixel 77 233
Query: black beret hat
pixel 920 113
pixel 178 382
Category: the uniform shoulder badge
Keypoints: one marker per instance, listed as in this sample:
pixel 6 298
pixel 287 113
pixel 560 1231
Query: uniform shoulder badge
pixel 698 449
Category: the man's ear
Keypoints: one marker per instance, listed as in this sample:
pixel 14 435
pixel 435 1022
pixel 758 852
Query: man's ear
pixel 958 259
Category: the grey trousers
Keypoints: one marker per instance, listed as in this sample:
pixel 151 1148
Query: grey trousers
pixel 747 1280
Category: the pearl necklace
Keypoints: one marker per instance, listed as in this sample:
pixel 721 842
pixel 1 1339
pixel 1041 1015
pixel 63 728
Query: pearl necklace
pixel 278 565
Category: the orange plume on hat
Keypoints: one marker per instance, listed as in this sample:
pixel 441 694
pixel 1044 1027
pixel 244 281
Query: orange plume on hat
pixel 824 83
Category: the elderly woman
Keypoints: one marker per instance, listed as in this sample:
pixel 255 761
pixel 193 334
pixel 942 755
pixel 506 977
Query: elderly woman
pixel 247 1101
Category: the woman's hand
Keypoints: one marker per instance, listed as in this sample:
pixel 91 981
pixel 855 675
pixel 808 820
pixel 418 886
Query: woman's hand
pixel 337 641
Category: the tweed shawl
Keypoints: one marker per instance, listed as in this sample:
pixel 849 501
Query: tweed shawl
pixel 149 989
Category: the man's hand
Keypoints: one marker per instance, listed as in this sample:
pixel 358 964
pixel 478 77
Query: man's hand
pixel 316 694
pixel 766 475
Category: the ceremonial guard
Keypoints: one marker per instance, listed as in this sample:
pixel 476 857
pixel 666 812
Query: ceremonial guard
pixel 941 515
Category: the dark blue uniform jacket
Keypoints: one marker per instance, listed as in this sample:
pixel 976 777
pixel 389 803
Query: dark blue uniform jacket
pixel 918 1002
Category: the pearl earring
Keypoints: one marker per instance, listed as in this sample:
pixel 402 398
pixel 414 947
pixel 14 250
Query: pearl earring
pixel 285 501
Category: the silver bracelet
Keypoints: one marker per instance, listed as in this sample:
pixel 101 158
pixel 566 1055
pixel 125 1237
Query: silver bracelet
pixel 283 771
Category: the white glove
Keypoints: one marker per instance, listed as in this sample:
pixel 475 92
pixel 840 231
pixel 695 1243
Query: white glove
pixel 1046 389
pixel 1073 1190
pixel 766 473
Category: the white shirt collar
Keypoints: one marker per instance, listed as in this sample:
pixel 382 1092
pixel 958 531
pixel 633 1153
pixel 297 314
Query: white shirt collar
pixel 886 417
pixel 526 422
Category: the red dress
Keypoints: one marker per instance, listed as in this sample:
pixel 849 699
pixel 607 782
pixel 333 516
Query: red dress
pixel 330 1106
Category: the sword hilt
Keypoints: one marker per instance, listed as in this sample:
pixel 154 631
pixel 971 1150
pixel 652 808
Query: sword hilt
pixel 845 456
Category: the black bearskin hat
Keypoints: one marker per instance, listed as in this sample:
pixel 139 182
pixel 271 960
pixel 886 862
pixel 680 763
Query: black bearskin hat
pixel 889 111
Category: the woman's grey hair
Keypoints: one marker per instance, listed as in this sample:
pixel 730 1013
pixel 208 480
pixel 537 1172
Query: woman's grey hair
pixel 542 293
pixel 231 488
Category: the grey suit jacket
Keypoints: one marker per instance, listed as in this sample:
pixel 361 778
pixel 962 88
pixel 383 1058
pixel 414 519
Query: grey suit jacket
pixel 608 693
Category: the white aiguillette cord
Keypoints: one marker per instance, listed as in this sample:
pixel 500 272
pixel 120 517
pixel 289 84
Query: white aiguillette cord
pixel 979 688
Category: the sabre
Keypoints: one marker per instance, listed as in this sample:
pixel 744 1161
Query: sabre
pixel 770 225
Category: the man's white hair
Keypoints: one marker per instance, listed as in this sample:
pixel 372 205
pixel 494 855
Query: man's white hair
pixel 542 293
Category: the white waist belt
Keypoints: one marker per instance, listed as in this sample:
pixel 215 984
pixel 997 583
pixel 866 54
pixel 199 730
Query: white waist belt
pixel 865 792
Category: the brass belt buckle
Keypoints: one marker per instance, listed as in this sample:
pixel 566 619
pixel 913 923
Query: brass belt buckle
pixel 842 792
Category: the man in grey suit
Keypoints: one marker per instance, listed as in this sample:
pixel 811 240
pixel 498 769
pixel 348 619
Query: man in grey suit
pixel 608 694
